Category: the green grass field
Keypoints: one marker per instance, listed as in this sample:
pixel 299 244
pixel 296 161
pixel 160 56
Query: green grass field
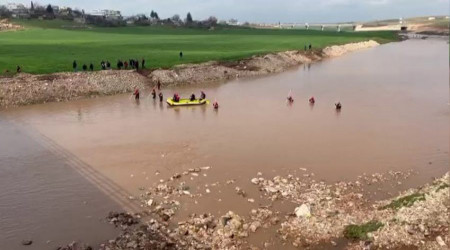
pixel 51 46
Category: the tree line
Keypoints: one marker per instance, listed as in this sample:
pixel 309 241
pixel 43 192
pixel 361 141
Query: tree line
pixel 48 12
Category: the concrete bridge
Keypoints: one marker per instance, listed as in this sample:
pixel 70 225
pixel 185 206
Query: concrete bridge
pixel 339 26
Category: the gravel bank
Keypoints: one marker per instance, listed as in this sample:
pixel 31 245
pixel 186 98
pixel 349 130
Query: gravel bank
pixel 324 215
pixel 23 89
pixel 254 66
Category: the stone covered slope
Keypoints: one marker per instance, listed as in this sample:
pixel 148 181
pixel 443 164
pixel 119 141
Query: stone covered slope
pixel 254 66
pixel 23 89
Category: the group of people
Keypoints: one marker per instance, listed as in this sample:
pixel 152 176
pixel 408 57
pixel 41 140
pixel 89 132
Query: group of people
pixel 136 92
pixel 202 96
pixel 309 47
pixel 176 98
pixel 312 100
pixel 131 63
pixel 84 67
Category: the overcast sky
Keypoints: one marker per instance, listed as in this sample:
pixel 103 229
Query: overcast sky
pixel 269 11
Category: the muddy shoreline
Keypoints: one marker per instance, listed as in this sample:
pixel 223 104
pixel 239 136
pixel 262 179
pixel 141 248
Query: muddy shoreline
pixel 24 89
pixel 327 215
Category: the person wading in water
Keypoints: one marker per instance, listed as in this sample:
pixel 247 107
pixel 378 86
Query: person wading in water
pixel 136 94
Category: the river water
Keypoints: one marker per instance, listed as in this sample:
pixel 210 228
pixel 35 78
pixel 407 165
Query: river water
pixel 65 165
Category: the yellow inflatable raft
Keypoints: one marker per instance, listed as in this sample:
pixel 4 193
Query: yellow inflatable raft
pixel 187 102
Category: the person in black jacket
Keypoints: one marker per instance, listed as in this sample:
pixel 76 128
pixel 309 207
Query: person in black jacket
pixel 74 65
pixel 91 67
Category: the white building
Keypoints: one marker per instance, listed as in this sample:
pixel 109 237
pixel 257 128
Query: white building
pixel 15 6
pixel 106 13
pixel 55 8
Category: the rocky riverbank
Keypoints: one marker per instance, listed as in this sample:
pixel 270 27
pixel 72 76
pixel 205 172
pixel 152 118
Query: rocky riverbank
pixel 254 66
pixel 23 89
pixel 326 215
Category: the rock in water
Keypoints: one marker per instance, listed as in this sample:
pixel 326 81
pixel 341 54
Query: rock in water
pixel 27 242
pixel 302 211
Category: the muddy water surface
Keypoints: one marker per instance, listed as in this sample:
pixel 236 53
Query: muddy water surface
pixel 394 117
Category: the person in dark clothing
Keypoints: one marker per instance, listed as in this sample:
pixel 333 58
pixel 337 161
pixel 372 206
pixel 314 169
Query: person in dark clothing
pixel 310 46
pixel 136 94
pixel 84 67
pixel 108 65
pixel 18 70
pixel 136 64
pixel 74 65
pixel 160 97
pixel 159 85
pixel 132 63
pixel 125 64
pixel 91 67
pixel 154 93
pixel 103 64
pixel 181 54
pixel 338 106
pixel 202 95
pixel 176 97
pixel 192 97
pixel 143 63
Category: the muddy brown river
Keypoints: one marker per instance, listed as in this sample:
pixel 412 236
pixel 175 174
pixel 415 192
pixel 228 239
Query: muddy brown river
pixel 64 166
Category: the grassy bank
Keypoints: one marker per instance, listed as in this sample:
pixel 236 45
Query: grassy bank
pixel 51 46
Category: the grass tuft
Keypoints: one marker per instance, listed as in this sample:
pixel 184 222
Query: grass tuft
pixel 442 186
pixel 405 201
pixel 359 232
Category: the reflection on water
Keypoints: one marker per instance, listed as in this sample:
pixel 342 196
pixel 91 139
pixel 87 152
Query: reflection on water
pixel 394 117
